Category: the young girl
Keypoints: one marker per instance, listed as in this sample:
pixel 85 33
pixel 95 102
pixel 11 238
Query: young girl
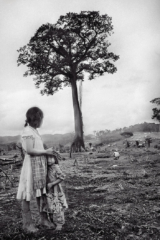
pixel 55 202
pixel 33 174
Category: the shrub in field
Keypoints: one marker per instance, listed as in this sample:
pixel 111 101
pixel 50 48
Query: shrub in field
pixel 126 134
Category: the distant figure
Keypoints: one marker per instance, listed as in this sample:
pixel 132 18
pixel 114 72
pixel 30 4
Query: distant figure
pixel 147 142
pixel 90 145
pixel 116 155
pixel 137 143
pixel 92 148
pixel 127 144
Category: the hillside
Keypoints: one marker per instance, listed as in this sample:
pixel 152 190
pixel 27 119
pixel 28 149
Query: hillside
pixel 144 127
pixel 9 139
pixel 57 139
pixel 105 136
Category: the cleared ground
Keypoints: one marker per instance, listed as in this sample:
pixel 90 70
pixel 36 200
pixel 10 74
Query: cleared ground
pixel 108 199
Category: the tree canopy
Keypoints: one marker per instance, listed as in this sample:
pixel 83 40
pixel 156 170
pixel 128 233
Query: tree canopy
pixel 77 43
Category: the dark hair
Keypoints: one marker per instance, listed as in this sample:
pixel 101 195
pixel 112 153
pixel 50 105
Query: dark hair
pixel 56 160
pixel 34 117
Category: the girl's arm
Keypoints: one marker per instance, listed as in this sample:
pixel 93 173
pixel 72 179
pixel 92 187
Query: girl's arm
pixel 50 185
pixel 59 175
pixel 35 152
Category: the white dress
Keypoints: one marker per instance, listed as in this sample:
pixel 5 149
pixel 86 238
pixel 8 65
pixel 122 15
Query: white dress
pixel 25 188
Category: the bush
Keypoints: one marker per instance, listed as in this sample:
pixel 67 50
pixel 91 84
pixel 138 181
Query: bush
pixel 127 134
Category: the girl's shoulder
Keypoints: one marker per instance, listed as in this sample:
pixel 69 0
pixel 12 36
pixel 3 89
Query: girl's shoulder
pixel 27 131
pixel 59 173
pixel 57 167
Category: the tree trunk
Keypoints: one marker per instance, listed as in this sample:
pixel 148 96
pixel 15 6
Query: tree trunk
pixel 78 139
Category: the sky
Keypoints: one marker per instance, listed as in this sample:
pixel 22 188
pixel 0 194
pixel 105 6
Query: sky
pixel 108 102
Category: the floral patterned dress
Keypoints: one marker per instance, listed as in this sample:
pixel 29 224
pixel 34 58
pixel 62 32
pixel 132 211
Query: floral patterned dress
pixel 55 198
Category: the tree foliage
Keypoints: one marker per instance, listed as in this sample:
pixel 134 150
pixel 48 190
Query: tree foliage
pixel 156 111
pixel 77 43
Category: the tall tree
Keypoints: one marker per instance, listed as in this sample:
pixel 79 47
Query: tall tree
pixel 59 55
pixel 156 111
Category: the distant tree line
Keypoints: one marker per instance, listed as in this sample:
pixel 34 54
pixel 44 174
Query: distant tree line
pixel 8 147
pixel 142 127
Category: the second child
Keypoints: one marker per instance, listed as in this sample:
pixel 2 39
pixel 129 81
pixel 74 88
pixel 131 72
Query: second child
pixel 56 203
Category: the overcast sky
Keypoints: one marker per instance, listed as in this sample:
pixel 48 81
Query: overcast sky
pixel 108 102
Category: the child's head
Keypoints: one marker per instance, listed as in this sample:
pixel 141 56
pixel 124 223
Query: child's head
pixel 52 160
pixel 34 117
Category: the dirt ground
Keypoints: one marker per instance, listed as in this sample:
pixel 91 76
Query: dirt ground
pixel 108 199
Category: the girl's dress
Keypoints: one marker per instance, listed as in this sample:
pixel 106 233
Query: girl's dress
pixel 55 198
pixel 34 170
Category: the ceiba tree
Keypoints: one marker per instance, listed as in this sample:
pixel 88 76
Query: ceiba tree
pixel 60 54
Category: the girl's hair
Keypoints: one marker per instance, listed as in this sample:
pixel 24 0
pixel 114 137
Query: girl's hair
pixel 34 117
pixel 56 160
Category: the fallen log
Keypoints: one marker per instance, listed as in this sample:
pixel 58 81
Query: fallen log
pixel 10 162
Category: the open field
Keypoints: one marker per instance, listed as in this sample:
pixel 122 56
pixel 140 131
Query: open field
pixel 108 199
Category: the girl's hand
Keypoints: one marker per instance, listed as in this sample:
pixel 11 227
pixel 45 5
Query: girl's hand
pixel 57 155
pixel 49 151
pixel 49 186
